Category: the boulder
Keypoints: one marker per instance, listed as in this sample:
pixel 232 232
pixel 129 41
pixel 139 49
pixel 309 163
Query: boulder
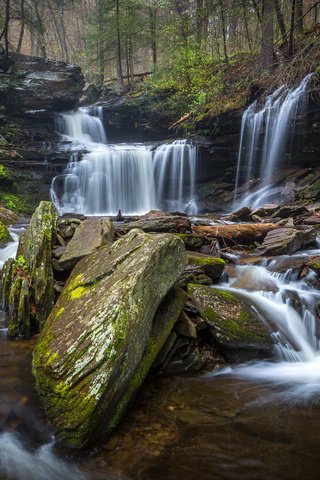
pixel 237 333
pixel 192 242
pixel 27 283
pixel 211 266
pixel 314 264
pixel 286 240
pixel 101 338
pixel 4 234
pixel 89 235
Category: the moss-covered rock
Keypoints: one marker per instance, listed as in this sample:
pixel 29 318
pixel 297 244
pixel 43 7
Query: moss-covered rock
pixel 192 242
pixel 211 266
pixel 4 234
pixel 238 334
pixel 27 283
pixel 93 351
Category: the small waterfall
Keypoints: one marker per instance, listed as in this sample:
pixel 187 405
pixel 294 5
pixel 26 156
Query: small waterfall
pixel 134 178
pixel 266 135
pixel 291 310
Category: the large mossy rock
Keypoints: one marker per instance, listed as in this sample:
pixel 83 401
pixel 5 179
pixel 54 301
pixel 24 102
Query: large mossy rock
pixel 237 333
pixel 99 341
pixel 4 234
pixel 212 266
pixel 27 283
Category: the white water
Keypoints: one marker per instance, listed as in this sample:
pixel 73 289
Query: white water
pixel 10 249
pixel 266 135
pixel 18 462
pixel 133 178
pixel 290 310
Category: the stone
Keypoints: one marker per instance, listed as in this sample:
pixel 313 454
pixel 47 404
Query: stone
pixel 185 327
pixel 101 338
pixel 89 235
pixel 213 267
pixel 27 283
pixel 314 264
pixel 5 236
pixel 192 242
pixel 42 84
pixel 255 280
pixel 193 275
pixel 290 211
pixel 286 240
pixel 237 333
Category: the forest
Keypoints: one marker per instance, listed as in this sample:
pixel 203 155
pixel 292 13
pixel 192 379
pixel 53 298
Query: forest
pixel 189 50
pixel 159 239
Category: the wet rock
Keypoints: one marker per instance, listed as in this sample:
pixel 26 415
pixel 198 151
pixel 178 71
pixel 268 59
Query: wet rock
pixel 211 266
pixel 255 280
pixel 193 275
pixel 27 283
pixel 290 211
pixel 185 327
pixel 286 240
pixel 90 94
pixel 162 224
pixel 101 338
pixel 243 214
pixel 192 242
pixel 237 333
pixel 38 84
pixel 266 211
pixel 314 264
pixel 5 236
pixel 8 217
pixel 89 235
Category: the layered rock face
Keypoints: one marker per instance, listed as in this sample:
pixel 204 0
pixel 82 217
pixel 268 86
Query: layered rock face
pixel 39 83
pixel 101 337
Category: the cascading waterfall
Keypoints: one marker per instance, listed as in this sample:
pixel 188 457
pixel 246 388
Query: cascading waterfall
pixel 266 135
pixel 291 310
pixel 133 178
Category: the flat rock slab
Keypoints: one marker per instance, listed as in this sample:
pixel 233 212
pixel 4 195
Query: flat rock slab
pixel 167 223
pixel 101 338
pixel 237 333
pixel 286 241
pixel 92 233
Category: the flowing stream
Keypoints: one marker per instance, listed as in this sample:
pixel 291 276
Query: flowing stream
pixel 254 421
pixel 266 135
pixel 133 178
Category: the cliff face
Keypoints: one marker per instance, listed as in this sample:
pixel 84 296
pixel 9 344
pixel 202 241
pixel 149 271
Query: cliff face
pixel 31 93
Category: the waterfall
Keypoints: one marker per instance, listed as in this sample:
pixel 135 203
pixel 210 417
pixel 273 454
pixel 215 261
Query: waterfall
pixel 291 310
pixel 266 134
pixel 133 178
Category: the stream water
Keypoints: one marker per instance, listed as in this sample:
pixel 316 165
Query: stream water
pixel 252 421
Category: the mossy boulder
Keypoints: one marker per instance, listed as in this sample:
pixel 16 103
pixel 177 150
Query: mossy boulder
pixel 213 267
pixel 192 242
pixel 98 342
pixel 236 331
pixel 4 234
pixel 27 283
pixel 314 264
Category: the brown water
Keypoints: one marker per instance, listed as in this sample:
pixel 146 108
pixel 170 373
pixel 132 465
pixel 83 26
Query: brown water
pixel 196 427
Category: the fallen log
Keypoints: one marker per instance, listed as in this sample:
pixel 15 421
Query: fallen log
pixel 240 233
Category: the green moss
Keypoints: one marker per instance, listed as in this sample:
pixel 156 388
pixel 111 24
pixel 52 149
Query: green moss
pixel 78 292
pixel 4 233
pixel 202 261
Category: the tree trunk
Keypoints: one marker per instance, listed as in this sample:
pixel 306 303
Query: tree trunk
pixel 299 15
pixel 282 27
pixel 153 33
pixel 267 36
pixel 224 32
pixel 293 14
pixel 119 59
pixel 22 28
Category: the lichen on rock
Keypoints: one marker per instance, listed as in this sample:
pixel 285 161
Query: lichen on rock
pixel 94 342
pixel 27 283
